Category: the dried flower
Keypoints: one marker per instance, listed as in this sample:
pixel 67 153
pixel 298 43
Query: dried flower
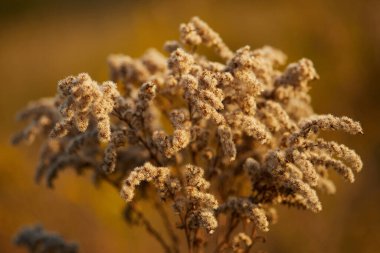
pixel 36 240
pixel 159 176
pixel 245 209
pixel 198 131
pixel 170 145
pixel 202 203
pixel 81 98
pixel 197 32
pixel 226 141
pixel 241 243
pixel 325 122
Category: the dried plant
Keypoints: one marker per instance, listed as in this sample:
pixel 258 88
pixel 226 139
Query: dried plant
pixel 220 143
pixel 36 240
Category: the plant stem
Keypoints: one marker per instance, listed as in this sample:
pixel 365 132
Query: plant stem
pixel 231 227
pixel 161 210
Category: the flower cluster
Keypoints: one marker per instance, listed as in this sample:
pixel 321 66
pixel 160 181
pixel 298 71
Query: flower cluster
pixel 36 240
pixel 221 142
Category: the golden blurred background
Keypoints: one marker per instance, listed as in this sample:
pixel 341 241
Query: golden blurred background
pixel 43 41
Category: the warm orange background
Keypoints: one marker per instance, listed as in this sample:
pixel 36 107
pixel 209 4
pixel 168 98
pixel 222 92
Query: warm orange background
pixel 43 41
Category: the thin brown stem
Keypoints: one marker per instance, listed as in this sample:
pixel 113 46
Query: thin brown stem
pixel 253 236
pixel 140 139
pixel 148 226
pixel 168 226
pixel 231 227
pixel 192 153
pixel 188 233
pixel 152 231
pixel 198 241
pixel 212 171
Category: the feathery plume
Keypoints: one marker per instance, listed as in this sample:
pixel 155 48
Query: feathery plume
pixel 197 32
pixel 81 98
pixel 159 176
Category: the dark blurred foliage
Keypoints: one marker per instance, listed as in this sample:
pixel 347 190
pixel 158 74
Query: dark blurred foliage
pixel 42 41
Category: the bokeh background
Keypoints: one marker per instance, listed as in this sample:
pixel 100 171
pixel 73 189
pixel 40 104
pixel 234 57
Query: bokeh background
pixel 42 41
